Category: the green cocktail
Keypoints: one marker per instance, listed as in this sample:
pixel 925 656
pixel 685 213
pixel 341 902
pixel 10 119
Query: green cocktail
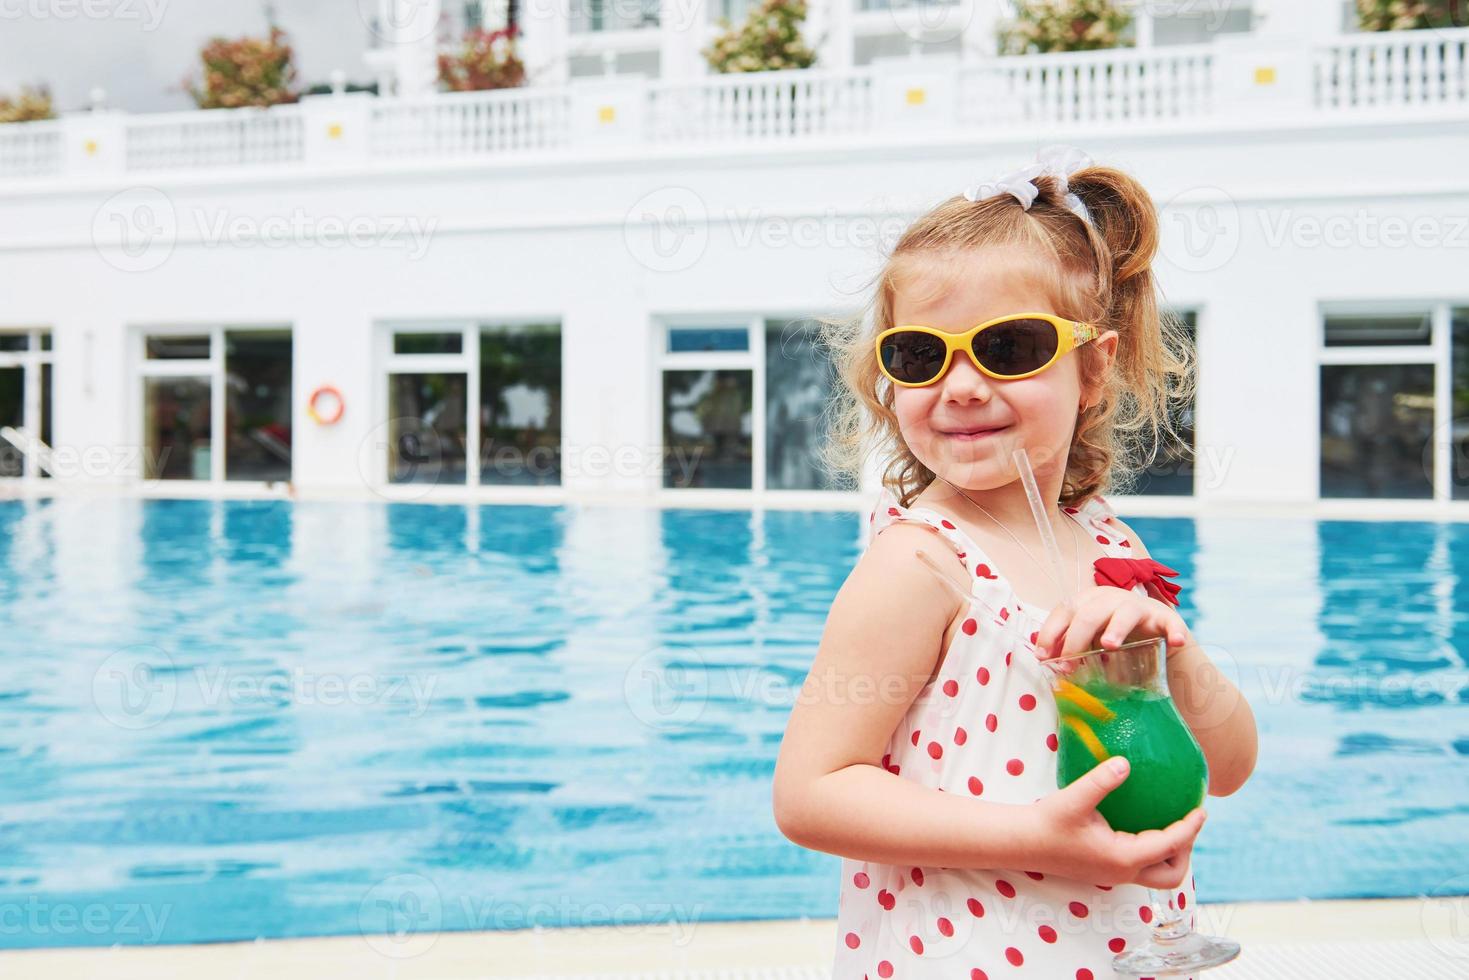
pixel 1116 702
pixel 1099 719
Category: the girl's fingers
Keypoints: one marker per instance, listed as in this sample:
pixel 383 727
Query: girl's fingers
pixel 1166 874
pixel 1120 627
pixel 1155 846
pixel 1083 628
pixel 1051 630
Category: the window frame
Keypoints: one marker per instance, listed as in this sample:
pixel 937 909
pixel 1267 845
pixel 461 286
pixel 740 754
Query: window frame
pixel 1437 353
pixel 31 362
pixel 751 359
pixel 212 369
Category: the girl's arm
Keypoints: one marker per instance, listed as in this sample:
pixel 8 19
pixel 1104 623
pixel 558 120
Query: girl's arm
pixel 831 793
pixel 1215 710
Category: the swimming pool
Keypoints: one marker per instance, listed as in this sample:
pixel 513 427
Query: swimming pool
pixel 223 720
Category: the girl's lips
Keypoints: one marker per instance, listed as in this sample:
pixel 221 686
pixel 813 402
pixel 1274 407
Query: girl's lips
pixel 973 435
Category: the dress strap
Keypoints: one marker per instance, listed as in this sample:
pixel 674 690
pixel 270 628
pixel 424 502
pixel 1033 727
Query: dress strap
pixel 1122 567
pixel 986 584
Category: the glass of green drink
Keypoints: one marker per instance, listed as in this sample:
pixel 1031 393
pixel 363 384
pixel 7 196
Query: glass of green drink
pixel 1116 702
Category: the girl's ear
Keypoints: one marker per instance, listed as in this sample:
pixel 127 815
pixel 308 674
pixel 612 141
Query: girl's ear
pixel 1106 345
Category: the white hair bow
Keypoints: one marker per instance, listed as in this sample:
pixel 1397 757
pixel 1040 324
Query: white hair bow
pixel 1058 161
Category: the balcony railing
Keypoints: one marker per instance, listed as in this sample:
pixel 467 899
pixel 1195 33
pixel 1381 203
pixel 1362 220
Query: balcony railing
pixel 1406 73
pixel 1392 69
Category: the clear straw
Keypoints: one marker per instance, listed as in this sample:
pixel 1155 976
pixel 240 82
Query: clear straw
pixel 1043 523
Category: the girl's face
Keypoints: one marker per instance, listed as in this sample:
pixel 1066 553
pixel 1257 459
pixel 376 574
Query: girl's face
pixel 965 425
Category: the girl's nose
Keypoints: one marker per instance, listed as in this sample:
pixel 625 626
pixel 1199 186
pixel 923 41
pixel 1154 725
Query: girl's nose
pixel 965 383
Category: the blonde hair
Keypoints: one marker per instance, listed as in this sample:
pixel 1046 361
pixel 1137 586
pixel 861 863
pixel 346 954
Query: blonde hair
pixel 1101 272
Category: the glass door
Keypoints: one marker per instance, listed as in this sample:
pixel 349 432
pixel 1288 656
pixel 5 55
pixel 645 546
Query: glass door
pixel 25 404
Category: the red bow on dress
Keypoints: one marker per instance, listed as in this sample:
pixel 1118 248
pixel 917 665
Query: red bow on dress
pixel 1128 572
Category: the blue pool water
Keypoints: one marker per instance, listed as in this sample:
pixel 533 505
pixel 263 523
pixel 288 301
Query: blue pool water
pixel 221 720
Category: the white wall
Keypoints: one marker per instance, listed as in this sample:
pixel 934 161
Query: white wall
pixel 560 239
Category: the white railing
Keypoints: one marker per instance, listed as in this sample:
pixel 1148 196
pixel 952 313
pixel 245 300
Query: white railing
pixel 30 149
pixel 1359 75
pixel 1124 86
pixel 1394 69
pixel 470 123
pixel 215 138
pixel 760 105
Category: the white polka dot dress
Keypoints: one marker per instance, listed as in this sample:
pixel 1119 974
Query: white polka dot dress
pixel 985 727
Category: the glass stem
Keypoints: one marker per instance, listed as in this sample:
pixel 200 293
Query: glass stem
pixel 1169 924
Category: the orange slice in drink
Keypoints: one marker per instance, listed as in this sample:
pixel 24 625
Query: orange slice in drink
pixel 1069 694
pixel 1088 737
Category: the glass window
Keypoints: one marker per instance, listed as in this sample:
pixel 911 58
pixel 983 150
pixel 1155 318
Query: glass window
pixel 46 340
pixel 45 409
pixel 707 438
pixel 1408 330
pixel 427 427
pixel 176 428
pixel 257 394
pixel 1197 23
pixel 1376 430
pixel 1459 411
pixel 14 341
pixel 1172 471
pixel 682 339
pixel 428 343
pixel 12 413
pixel 520 405
pixel 799 382
pixel 192 348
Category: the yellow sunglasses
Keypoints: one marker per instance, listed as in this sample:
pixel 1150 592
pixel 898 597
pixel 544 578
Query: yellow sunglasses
pixel 1017 345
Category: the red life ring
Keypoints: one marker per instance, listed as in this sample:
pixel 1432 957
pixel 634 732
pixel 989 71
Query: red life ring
pixel 316 396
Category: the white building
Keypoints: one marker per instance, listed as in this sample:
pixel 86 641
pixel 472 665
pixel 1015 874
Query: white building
pixel 601 285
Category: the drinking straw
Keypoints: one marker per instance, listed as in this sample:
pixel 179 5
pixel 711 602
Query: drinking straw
pixel 1043 524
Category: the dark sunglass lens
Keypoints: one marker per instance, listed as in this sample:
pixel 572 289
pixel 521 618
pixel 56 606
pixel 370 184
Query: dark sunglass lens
pixel 913 356
pixel 1016 346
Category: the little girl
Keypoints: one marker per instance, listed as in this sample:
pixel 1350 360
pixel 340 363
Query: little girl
pixel 923 746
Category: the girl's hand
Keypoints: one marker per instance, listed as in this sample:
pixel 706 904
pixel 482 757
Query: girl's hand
pixel 1105 617
pixel 1084 847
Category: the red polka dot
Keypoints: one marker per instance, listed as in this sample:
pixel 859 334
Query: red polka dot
pixel 960 736
pixel 975 786
pixel 1101 539
pixel 886 760
pixel 916 944
pixel 951 687
pixel 1117 944
pixel 1084 974
pixel 886 899
pixel 978 974
pixel 1047 934
pixel 1079 910
pixel 969 626
pixel 947 525
pixel 1051 742
pixel 1014 767
pixel 893 511
pixel 1145 913
pixel 914 736
pixel 1008 656
pixel 884 969
pixel 1105 888
pixel 1014 956
pixel 991 722
pixel 976 908
pixel 861 880
pixel 853 941
pixel 1027 702
pixel 946 928
pixel 1033 637
pixel 918 877
pixel 1182 901
pixel 1005 888
pixel 935 750
pixel 1035 876
pixel 982 675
